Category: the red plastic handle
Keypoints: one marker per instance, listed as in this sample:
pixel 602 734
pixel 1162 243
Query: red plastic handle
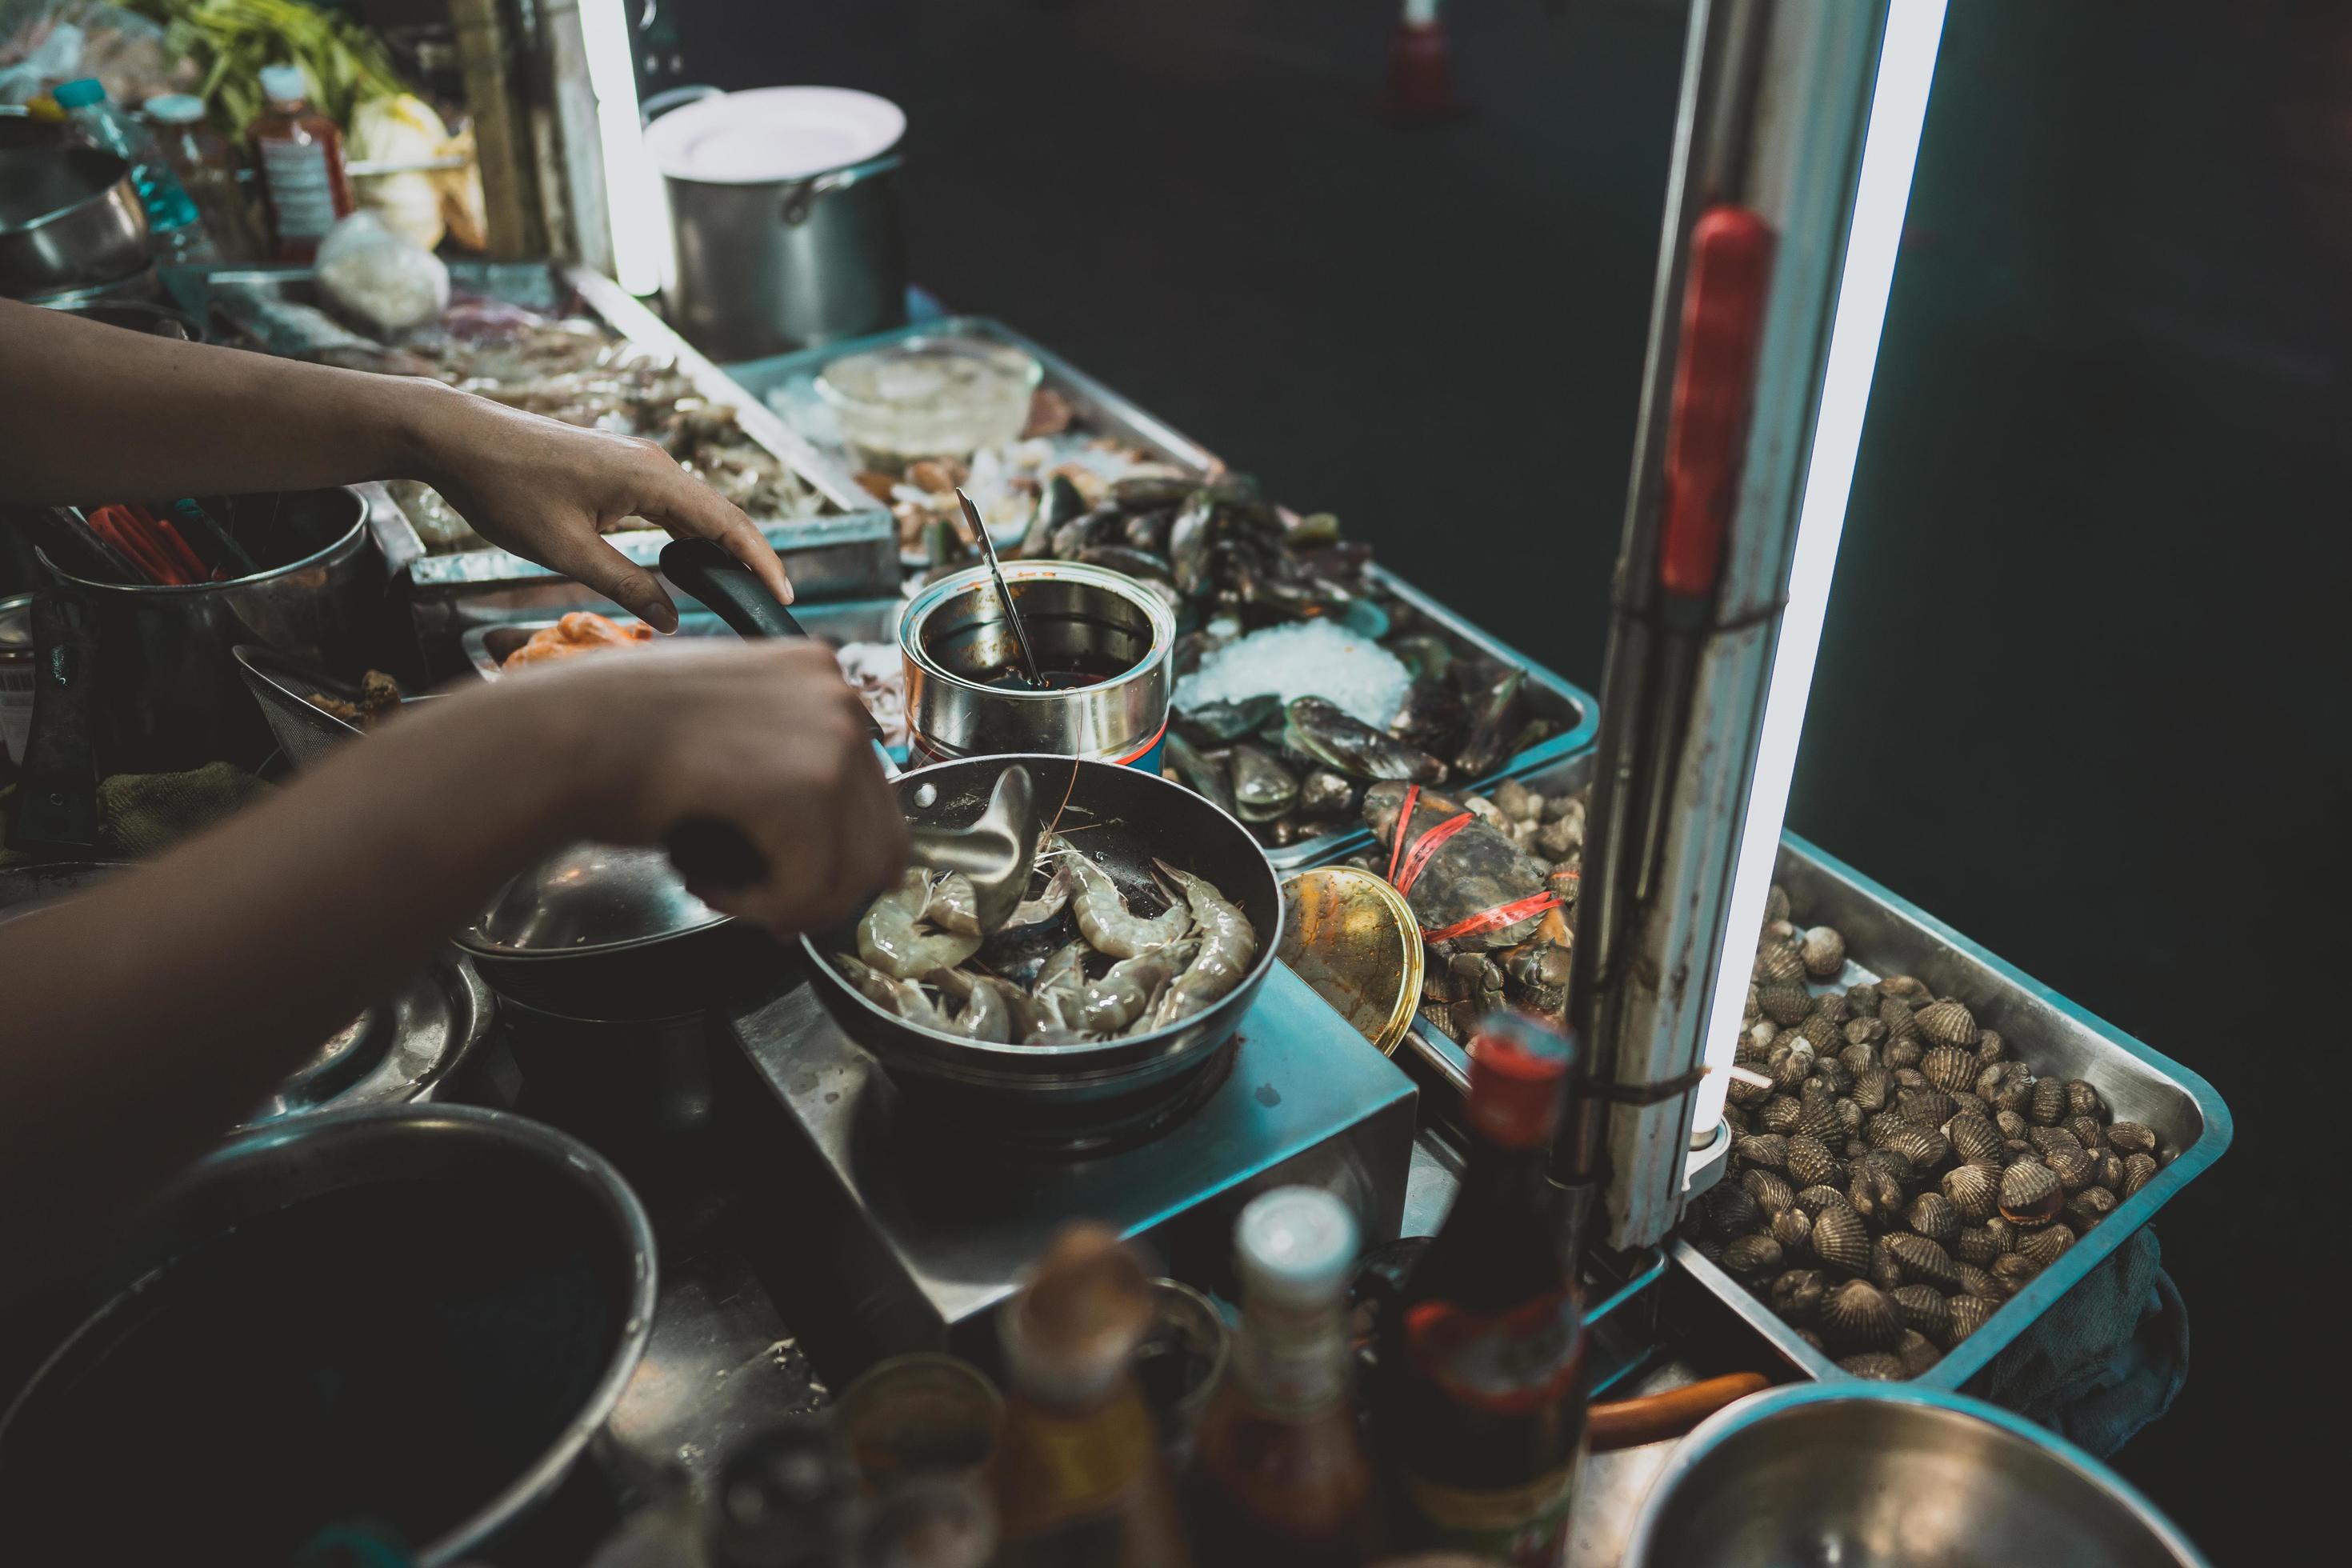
pixel 1723 323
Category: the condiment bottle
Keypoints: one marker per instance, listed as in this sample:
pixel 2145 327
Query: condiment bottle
pixel 1481 1401
pixel 1079 1480
pixel 300 153
pixel 1280 1473
pixel 207 170
pixel 172 218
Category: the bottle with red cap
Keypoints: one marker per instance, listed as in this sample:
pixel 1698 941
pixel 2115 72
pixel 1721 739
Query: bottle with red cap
pixel 1480 1403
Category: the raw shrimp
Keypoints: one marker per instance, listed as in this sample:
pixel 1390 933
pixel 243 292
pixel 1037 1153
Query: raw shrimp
pixel 1126 992
pixel 1060 978
pixel 954 905
pixel 1228 942
pixel 990 1004
pixel 903 998
pixel 1105 920
pixel 1048 903
pixel 893 938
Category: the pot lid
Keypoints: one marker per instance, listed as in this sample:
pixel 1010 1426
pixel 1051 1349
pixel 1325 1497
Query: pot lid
pixel 585 898
pixel 773 133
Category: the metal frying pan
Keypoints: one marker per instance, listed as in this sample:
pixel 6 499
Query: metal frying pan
pixel 1120 818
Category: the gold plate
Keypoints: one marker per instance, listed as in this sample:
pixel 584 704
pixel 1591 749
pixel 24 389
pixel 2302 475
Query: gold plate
pixel 1353 939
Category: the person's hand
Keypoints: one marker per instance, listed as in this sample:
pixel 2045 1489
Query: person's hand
pixel 763 736
pixel 546 491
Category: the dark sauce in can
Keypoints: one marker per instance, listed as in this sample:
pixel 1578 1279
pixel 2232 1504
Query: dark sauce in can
pixel 1065 671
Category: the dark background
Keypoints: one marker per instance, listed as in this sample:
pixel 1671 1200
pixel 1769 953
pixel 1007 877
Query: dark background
pixel 2079 694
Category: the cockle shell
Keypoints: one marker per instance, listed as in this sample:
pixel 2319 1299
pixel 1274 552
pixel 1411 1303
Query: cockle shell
pixel 2045 1138
pixel 1901 1054
pixel 1975 1282
pixel 1969 1315
pixel 1975 1246
pixel 1916 1351
pixel 1973 1190
pixel 2073 1168
pixel 2043 1247
pixel 1968 1102
pixel 1776 903
pixel 2111 1170
pixel 1809 1162
pixel 1816 1198
pixel 1909 987
pixel 1924 1309
pixel 1821 1032
pixel 1835 1074
pixel 1947 1023
pixel 1864 999
pixel 1831 1004
pixel 1873 1190
pixel 2129 1138
pixel 2088 1131
pixel 1756 1041
pixel 2009 1122
pixel 1950 1068
pixel 1884 1272
pixel 1990 1046
pixel 2014 1271
pixel 1792 1228
pixel 1858 1316
pixel 1895 1014
pixel 1924 1146
pixel 1776 962
pixel 2004 1232
pixel 1784 1001
pixel 1876 1366
pixel 2015 1093
pixel 2086 1208
pixel 1823 951
pixel 1922 1261
pixel 1772 1192
pixel 2030 1194
pixel 1768 1149
pixel 2083 1099
pixel 1841 1239
pixel 1730 1211
pixel 1790 1065
pixel 1798 1293
pixel 1973 1138
pixel 1817 1115
pixel 1935 1217
pixel 2048 1103
pixel 2138 1170
pixel 1929 1107
pixel 1862 1031
pixel 1872 1086
pixel 1751 1254
pixel 1779 1114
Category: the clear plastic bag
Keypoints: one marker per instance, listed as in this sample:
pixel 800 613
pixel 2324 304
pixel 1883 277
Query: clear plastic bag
pixel 44 42
pixel 374 276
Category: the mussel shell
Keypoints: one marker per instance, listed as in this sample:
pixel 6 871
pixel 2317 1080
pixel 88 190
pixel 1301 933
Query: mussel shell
pixel 2129 1137
pixel 1778 962
pixel 1772 1192
pixel 1876 1366
pixel 1823 951
pixel 1947 1023
pixel 1950 1069
pixel 1935 1217
pixel 1917 1352
pixel 1768 1149
pixel 1973 1191
pixel 2045 1247
pixel 1263 788
pixel 1786 1003
pixel 1841 1239
pixel 1857 1315
pixel 1345 743
pixel 2030 1194
pixel 1809 1162
pixel 1924 1309
pixel 1924 1262
pixel 1969 1315
pixel 1748 1255
pixel 2047 1103
pixel 1324 794
pixel 1798 1293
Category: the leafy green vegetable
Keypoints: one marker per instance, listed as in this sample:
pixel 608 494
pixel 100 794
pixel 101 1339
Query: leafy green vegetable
pixel 230 40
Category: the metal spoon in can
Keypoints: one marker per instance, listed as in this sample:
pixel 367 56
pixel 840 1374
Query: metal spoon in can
pixel 988 552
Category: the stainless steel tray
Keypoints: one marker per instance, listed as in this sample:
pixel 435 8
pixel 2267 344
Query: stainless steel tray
pixel 1887 934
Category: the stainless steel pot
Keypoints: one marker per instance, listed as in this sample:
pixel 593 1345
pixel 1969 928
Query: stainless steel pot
pixel 954 638
pixel 168 691
pixel 419 1316
pixel 766 267
pixel 1862 1472
pixel 70 218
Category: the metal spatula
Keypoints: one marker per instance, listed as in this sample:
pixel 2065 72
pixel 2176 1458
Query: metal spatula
pixel 995 853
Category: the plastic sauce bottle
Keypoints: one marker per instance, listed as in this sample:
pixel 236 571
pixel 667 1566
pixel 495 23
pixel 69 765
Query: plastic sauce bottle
pixel 300 153
pixel 207 170
pixel 172 218
pixel 1281 1474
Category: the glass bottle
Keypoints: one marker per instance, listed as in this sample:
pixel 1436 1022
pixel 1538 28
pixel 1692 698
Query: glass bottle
pixel 1281 1474
pixel 1079 1478
pixel 172 219
pixel 1481 1402
pixel 300 155
pixel 206 167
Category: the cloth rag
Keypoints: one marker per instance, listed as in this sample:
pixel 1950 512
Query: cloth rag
pixel 139 814
pixel 2106 1359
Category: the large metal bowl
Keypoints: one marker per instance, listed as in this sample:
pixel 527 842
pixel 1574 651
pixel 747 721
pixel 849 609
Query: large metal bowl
pixel 1887 1475
pixel 416 1316
pixel 68 216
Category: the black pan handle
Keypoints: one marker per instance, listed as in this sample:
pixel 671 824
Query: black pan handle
pixel 703 569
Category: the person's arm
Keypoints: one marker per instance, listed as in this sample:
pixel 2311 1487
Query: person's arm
pixel 90 413
pixel 144 1019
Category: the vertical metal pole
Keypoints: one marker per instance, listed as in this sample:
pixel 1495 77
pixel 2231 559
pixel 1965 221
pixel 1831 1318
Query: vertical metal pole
pixel 1776 95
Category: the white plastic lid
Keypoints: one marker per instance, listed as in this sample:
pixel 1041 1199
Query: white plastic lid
pixel 773 133
pixel 1295 1244
pixel 284 84
pixel 175 108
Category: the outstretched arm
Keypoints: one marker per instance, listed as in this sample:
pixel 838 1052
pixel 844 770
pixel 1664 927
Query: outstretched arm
pixel 90 413
pixel 144 1019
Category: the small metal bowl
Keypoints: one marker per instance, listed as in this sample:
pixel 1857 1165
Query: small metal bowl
pixel 1889 1473
pixel 1352 937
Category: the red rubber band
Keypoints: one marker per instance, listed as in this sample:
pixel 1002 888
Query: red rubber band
pixel 1425 849
pixel 1404 823
pixel 1495 918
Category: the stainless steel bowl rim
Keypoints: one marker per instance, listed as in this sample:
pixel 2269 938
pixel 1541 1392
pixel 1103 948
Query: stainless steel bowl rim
pixel 318 557
pixel 927 603
pixel 1757 1408
pixel 557 1151
pixel 1132 1046
pixel 59 214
